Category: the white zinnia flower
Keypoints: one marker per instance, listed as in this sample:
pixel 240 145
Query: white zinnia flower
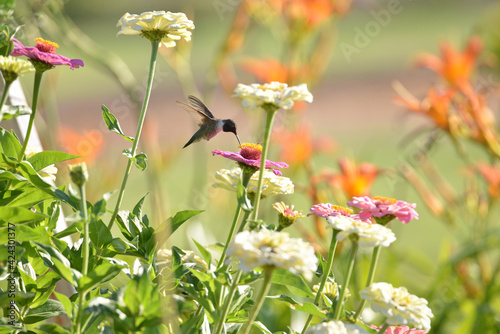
pixel 369 235
pixel 335 327
pixel 189 259
pixel 271 184
pixel 12 67
pixel 274 93
pixel 263 248
pixel 399 306
pixel 48 173
pixel 164 26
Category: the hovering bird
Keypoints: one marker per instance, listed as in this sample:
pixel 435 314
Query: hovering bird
pixel 209 125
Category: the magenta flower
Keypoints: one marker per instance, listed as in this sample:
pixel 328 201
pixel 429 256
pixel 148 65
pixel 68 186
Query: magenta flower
pixel 326 210
pixel 43 55
pixel 389 208
pixel 400 330
pixel 250 156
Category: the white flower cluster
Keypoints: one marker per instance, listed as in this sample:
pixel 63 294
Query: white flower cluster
pixel 398 306
pixel 335 327
pixel 271 185
pixel 274 93
pixel 13 66
pixel 265 248
pixel 170 26
pixel 369 235
pixel 48 174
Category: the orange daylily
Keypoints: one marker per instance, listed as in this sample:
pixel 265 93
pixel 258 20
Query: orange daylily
pixel 453 66
pixel 353 179
pixel 492 175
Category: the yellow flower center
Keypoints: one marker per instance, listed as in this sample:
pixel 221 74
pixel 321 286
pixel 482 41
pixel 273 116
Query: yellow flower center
pixel 384 200
pixel 278 88
pixel 46 46
pixel 251 151
pixel 344 211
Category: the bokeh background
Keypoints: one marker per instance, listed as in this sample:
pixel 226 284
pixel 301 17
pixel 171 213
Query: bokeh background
pixel 351 53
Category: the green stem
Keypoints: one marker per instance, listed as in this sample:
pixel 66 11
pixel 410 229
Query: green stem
pixel 244 221
pixel 352 258
pixel 383 328
pixel 36 90
pixel 227 304
pixel 369 280
pixel 5 94
pixel 86 254
pixel 152 66
pixel 271 112
pixel 326 274
pixel 268 273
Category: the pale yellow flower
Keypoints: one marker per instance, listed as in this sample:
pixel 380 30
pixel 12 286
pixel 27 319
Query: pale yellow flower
pixel 335 327
pixel 287 216
pixel 271 185
pixel 275 93
pixel 398 305
pixel 12 67
pixel 331 290
pixel 265 248
pixel 368 235
pixel 48 173
pixel 165 27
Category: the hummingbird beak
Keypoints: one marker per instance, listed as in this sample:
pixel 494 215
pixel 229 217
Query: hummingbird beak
pixel 238 139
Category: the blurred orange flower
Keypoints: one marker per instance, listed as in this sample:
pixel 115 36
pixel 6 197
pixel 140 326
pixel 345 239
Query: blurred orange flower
pixel 492 175
pixel 298 146
pixel 453 66
pixel 266 70
pixel 353 179
pixel 87 145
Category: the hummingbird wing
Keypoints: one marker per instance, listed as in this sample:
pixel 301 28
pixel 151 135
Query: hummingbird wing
pixel 197 110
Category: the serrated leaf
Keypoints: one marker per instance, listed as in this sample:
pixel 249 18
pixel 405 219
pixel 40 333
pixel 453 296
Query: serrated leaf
pixel 113 124
pixel 46 158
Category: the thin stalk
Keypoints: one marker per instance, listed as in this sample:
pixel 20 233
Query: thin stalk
pixel 36 90
pixel 383 328
pixel 326 274
pixel 152 66
pixel 352 259
pixel 369 280
pixel 244 221
pixel 271 112
pixel 227 304
pixel 86 254
pixel 5 93
pixel 268 273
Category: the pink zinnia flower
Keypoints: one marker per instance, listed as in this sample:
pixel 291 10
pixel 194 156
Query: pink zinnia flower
pixel 400 330
pixel 43 55
pixel 378 206
pixel 326 210
pixel 250 156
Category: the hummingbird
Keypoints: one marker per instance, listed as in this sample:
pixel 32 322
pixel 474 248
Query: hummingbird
pixel 209 125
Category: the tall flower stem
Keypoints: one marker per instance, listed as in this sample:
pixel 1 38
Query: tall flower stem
pixel 352 259
pixel 271 113
pixel 266 284
pixel 86 253
pixel 326 274
pixel 383 328
pixel 5 93
pixel 152 66
pixel 227 304
pixel 36 89
pixel 369 280
pixel 230 235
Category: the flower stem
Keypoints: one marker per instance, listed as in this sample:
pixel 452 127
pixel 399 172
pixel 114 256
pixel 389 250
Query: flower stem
pixel 326 274
pixel 230 236
pixel 36 89
pixel 227 304
pixel 271 112
pixel 369 280
pixel 383 328
pixel 152 66
pixel 268 273
pixel 86 254
pixel 352 259
pixel 5 94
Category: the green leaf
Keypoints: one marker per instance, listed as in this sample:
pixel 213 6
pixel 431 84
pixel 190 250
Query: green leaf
pixel 207 256
pixel 139 160
pixel 25 233
pixel 113 124
pixel 66 303
pixel 9 144
pixel 242 196
pixel 17 215
pixel 46 158
pixel 53 329
pixel 99 275
pixel 100 235
pixel 60 264
pixel 294 283
pixel 303 307
pixel 9 112
pixel 51 308
pixel 168 227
